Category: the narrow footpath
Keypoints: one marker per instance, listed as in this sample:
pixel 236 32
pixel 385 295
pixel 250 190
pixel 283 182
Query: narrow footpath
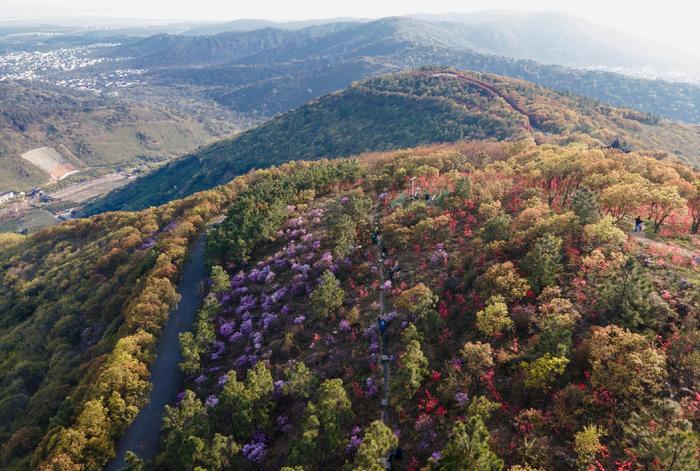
pixel 655 244
pixel 143 435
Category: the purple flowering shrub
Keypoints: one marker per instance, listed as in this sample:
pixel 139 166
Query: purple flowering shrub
pixel 266 318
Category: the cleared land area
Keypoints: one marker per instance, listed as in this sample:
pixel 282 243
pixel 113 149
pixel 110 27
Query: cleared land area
pixel 50 161
pixel 82 192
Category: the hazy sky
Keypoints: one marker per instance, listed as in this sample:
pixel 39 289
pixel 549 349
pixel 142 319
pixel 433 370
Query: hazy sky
pixel 673 22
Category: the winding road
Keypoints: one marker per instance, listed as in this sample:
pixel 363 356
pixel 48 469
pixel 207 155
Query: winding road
pixel 143 435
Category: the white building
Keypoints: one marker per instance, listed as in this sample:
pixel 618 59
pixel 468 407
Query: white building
pixel 6 196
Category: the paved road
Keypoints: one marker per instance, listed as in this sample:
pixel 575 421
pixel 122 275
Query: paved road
pixel 142 437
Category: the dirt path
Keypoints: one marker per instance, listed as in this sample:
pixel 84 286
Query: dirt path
pixel 490 90
pixel 643 240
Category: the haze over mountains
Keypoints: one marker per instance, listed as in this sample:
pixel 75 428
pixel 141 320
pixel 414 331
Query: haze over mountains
pixel 557 38
pixel 265 72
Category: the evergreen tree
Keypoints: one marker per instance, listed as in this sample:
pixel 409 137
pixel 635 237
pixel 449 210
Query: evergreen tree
pixel 328 295
pixel 220 281
pixel 186 427
pixel 661 438
pixel 247 404
pixel 190 353
pixel 414 368
pixel 334 413
pixel 469 449
pixel 625 296
pixel 133 462
pixel 259 385
pixel 587 445
pixel 411 332
pixel 544 261
pixel 379 441
pixel 343 232
pixel 497 228
pixel 586 206
pixel 299 380
pixel 303 447
pixel 221 452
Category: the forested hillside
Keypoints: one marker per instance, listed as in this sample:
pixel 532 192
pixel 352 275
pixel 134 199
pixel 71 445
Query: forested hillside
pixel 405 110
pixel 523 316
pixel 82 305
pixel 89 130
pixel 528 327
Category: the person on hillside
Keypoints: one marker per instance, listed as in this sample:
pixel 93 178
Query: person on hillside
pixel 394 271
pixel 381 323
pixel 638 224
pixel 384 254
pixel 376 235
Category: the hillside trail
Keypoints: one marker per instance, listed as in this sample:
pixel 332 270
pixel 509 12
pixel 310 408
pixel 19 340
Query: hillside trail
pixel 642 239
pixel 490 90
pixel 143 435
pixel 384 344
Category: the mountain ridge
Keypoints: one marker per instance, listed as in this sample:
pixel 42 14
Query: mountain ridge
pixel 344 123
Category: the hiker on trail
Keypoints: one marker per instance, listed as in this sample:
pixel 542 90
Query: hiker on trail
pixel 638 224
pixel 427 196
pixel 385 252
pixel 376 235
pixel 381 322
pixel 394 271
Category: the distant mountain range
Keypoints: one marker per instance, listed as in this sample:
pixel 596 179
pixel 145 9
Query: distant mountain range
pixel 265 72
pixel 557 38
pixel 547 36
pixel 252 24
pixel 405 110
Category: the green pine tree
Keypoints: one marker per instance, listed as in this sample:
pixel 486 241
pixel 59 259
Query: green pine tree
pixel 414 368
pixel 469 449
pixel 586 207
pixel 377 444
pixel 328 296
pixel 625 296
pixel 661 438
pixel 544 262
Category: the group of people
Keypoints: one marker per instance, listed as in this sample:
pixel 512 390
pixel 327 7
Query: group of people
pixel 393 271
pixel 416 196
